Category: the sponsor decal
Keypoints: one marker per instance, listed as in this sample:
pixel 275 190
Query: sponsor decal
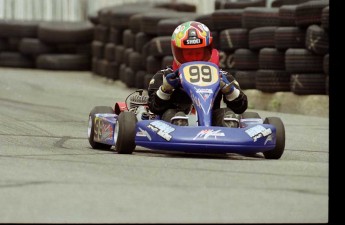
pixel 204 93
pixel 193 42
pixel 103 130
pixel 204 90
pixel 258 131
pixel 107 132
pixel 205 134
pixel 143 133
pixel 162 129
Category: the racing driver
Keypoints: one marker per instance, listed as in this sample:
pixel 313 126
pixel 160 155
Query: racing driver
pixel 192 41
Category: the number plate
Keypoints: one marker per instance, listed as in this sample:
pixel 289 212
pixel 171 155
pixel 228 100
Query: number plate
pixel 201 74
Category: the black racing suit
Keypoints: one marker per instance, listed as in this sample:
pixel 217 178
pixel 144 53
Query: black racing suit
pixel 180 100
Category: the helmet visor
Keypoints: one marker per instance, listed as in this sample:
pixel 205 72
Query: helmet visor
pixel 192 54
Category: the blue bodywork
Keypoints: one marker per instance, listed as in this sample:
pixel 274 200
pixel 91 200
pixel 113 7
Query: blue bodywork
pixel 105 128
pixel 166 136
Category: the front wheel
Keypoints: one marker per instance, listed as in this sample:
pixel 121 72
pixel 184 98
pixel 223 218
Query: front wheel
pixel 277 152
pixel 91 129
pixel 125 133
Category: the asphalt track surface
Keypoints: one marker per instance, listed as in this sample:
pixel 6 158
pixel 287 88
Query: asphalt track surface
pixel 50 174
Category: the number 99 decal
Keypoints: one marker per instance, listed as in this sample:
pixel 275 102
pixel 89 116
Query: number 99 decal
pixel 201 74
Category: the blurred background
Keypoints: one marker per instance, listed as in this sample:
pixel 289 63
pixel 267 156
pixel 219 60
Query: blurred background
pixel 75 10
pixel 267 45
pixel 61 10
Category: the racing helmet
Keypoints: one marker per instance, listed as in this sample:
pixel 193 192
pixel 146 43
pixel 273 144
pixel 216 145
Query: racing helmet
pixel 191 41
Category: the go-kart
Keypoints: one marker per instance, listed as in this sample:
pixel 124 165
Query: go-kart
pixel 129 125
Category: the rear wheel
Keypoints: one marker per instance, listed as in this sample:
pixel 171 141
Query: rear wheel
pixel 124 134
pixel 246 115
pixel 91 129
pixel 277 152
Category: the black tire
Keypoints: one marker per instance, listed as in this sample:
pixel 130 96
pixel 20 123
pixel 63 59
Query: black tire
pixel 97 49
pixel 254 17
pixel 16 59
pixel 227 19
pixel 102 66
pixel 120 15
pixel 153 64
pixel 119 52
pixel 139 79
pixel 206 19
pixel 112 70
pixel 261 37
pixel 151 19
pixel 115 36
pixel 309 13
pixel 308 84
pixel 287 15
pixel 33 46
pixel 140 40
pixel 272 80
pixel 246 78
pixel 160 46
pixel 246 59
pixel 301 60
pixel 317 40
pixel 135 22
pixel 136 61
pixel 167 61
pixel 18 28
pixel 57 32
pixel 232 39
pixel 240 4
pixel 271 59
pixel 91 128
pixel 125 130
pixel 109 52
pixel 279 3
pixel 76 62
pixel 128 38
pixel 101 33
pixel 166 27
pixel 129 77
pixel 325 18
pixel 250 115
pixel 278 151
pixel 289 37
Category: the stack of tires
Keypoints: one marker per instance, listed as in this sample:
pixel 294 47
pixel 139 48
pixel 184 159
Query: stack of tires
pixel 11 35
pixel 46 45
pixel 132 41
pixel 279 48
pixel 283 47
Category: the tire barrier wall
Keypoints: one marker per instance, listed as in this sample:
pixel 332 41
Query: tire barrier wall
pixel 46 45
pixel 279 48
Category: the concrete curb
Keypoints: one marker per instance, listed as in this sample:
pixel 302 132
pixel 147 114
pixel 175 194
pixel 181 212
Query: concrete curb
pixel 288 102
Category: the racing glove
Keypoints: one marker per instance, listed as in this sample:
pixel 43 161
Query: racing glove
pixel 171 81
pixel 228 89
